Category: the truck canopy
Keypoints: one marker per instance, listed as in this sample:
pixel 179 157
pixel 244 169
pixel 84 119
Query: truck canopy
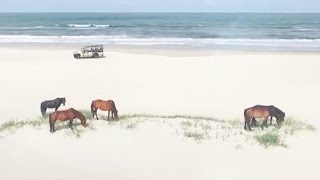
pixel 95 48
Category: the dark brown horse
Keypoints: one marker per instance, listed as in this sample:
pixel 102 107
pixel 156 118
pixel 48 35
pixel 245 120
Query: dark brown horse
pixel 259 111
pixel 104 106
pixel 65 115
pixel 278 114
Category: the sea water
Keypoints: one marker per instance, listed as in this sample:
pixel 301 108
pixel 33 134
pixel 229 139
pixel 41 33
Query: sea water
pixel 252 31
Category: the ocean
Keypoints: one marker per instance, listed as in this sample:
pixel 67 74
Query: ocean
pixel 252 31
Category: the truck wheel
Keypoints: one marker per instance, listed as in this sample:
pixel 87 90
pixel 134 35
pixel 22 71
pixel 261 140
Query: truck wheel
pixel 77 56
pixel 95 55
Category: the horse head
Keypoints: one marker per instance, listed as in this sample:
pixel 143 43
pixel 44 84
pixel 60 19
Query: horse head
pixel 116 114
pixel 84 124
pixel 280 115
pixel 84 121
pixel 63 101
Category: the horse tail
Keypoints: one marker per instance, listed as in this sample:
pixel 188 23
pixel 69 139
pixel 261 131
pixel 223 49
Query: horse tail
pixel 50 122
pixel 43 109
pixel 92 109
pixel 246 119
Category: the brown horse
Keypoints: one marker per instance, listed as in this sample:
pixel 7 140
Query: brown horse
pixel 65 115
pixel 104 106
pixel 278 114
pixel 259 111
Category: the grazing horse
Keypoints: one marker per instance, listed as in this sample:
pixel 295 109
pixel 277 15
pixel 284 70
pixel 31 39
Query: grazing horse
pixel 259 111
pixel 104 106
pixel 65 115
pixel 276 113
pixel 56 103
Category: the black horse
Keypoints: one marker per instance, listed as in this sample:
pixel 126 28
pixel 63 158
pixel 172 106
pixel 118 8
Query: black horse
pixel 56 103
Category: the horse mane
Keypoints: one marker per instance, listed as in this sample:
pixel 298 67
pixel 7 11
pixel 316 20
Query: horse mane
pixel 279 111
pixel 114 106
pixel 276 111
pixel 79 114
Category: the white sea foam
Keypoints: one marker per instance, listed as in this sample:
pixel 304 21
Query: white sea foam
pixel 87 26
pixel 80 25
pixel 102 25
pixel 297 28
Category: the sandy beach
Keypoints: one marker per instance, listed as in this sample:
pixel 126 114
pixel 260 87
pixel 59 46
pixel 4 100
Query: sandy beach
pixel 218 84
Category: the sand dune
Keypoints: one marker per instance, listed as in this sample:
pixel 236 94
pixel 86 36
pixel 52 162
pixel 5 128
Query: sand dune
pixel 219 85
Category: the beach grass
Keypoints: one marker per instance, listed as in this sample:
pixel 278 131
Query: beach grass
pixel 270 138
pixel 197 128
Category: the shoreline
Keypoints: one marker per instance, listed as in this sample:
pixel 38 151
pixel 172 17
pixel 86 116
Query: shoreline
pixel 162 50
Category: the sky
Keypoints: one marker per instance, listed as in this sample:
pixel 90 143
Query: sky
pixel 287 6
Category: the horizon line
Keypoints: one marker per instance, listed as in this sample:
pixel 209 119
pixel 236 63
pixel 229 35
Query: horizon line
pixel 161 12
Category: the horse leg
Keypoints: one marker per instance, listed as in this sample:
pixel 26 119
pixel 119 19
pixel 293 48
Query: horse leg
pixel 53 130
pixel 70 124
pixel 264 123
pixel 108 115
pixel 278 122
pixel 249 125
pixel 254 122
pixel 51 127
pixel 271 120
pixel 96 112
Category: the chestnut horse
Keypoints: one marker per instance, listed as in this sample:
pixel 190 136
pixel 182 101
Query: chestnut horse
pixel 104 106
pixel 65 115
pixel 259 111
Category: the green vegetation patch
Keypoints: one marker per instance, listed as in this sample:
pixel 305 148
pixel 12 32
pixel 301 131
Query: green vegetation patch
pixel 271 138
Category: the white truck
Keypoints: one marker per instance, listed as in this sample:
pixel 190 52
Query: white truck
pixel 94 51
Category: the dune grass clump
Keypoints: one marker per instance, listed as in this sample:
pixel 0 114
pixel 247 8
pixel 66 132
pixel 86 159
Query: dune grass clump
pixel 198 136
pixel 277 135
pixel 131 125
pixel 292 126
pixel 76 132
pixel 15 124
pixel 128 116
pixel 271 138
